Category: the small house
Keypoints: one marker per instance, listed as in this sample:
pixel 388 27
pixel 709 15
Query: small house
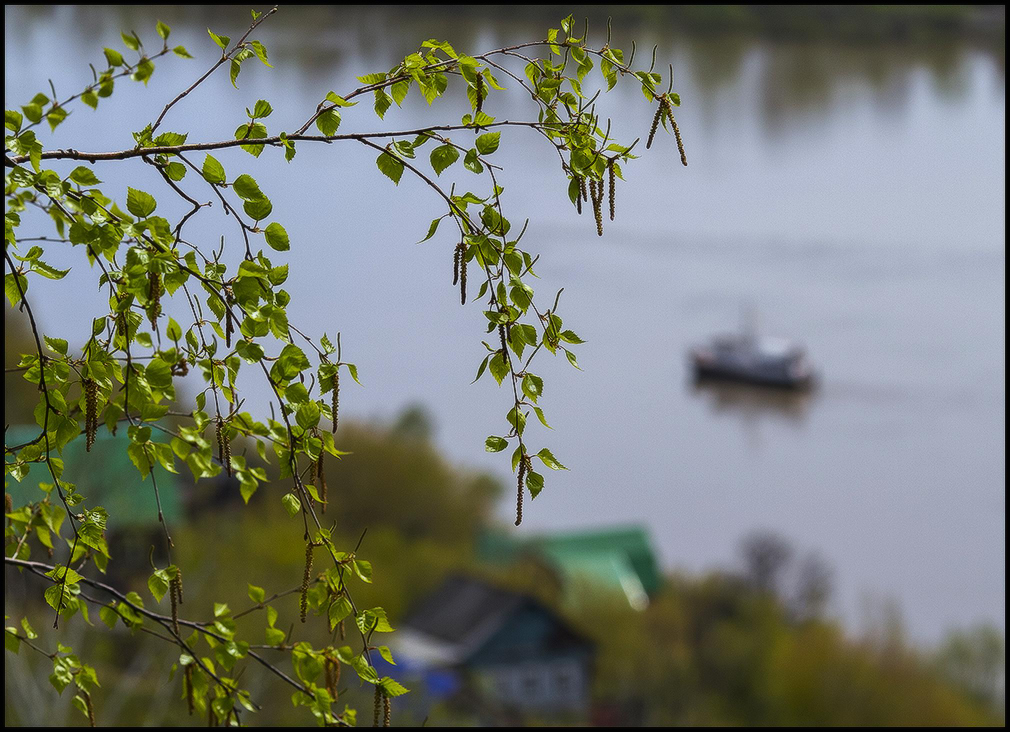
pixel 506 649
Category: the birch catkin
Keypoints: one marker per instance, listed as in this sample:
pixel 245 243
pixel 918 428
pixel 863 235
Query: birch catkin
pixel 154 297
pixel 332 667
pixel 335 405
pixel 479 84
pixel 178 583
pixel 90 412
pixel 223 446
pixel 378 706
pixel 173 592
pixel 676 130
pixel 519 491
pixel 90 707
pixel 655 125
pixel 582 193
pixel 305 581
pixel 613 185
pixel 328 674
pixel 462 274
pixel 321 481
pixel 387 711
pixel 596 192
pixel 122 326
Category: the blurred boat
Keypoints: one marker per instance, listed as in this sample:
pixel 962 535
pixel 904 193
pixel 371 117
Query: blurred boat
pixel 750 359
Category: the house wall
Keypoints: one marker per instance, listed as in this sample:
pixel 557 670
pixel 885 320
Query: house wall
pixel 558 685
pixel 534 663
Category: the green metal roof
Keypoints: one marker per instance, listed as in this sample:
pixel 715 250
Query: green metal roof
pixel 618 559
pixel 106 477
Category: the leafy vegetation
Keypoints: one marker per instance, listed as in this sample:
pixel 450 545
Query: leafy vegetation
pixel 718 650
pixel 175 306
pixel 751 646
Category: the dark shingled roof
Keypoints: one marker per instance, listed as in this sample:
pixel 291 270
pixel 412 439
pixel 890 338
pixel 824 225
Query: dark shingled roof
pixel 480 624
pixel 462 610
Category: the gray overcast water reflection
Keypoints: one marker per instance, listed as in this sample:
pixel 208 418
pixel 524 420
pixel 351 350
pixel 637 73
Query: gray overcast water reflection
pixel 854 198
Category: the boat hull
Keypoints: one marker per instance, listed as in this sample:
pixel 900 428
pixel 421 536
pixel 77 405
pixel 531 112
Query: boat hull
pixel 707 368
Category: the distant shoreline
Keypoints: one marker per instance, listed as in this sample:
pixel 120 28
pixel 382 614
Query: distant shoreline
pixel 985 24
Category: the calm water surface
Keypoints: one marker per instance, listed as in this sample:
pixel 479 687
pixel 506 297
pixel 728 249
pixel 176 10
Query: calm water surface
pixel 853 198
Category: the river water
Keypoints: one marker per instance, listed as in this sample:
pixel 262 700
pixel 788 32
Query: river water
pixel 852 198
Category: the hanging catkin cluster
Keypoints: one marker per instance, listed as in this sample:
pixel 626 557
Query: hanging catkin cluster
pixel 174 596
pixel 460 271
pixel 122 324
pixel 90 412
pixel 667 108
pixel 381 710
pixel 321 481
pixel 229 319
pixel 90 707
pixel 306 577
pixel 154 297
pixel 223 446
pixel 331 667
pixel 178 583
pixel 596 194
pixel 335 398
pixel 655 124
pixel 175 607
pixel 613 185
pixel 519 490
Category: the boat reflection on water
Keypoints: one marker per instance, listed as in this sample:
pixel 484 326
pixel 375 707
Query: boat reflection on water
pixel 752 403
